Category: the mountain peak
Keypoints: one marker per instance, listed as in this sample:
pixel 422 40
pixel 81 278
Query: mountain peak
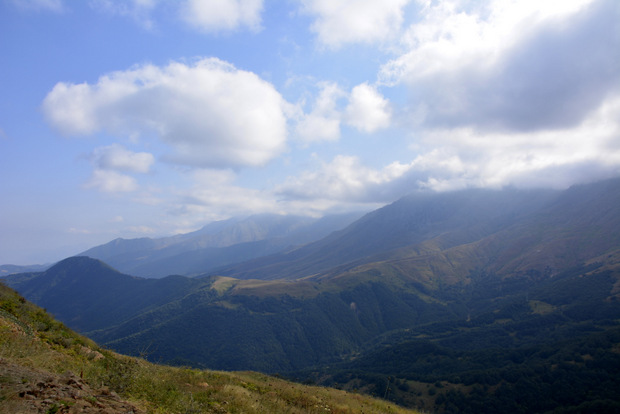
pixel 81 265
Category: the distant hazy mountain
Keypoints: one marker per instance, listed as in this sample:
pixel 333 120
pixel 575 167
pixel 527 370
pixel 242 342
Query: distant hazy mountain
pixel 9 269
pixel 458 217
pixel 550 233
pixel 215 245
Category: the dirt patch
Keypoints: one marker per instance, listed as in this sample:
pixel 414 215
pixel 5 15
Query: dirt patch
pixel 24 390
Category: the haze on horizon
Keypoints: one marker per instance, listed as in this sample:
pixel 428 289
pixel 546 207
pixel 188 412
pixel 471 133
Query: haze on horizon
pixel 147 118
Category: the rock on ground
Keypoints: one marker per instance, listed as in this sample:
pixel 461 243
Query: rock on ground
pixel 24 390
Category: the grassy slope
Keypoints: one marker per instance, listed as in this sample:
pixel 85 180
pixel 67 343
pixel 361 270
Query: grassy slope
pixel 34 345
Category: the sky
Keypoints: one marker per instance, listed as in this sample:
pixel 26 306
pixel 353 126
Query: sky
pixel 147 118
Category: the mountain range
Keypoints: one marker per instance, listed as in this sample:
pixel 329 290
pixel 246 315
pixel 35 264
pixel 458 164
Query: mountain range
pixel 217 244
pixel 445 301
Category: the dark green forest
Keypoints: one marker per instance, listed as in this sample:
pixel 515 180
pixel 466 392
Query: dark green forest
pixel 552 346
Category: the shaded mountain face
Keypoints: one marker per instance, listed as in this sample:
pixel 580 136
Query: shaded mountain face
pixel 457 218
pixel 439 281
pixel 88 294
pixel 568 229
pixel 215 245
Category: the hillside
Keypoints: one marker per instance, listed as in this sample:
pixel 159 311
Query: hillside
pixel 46 368
pixel 521 344
pixel 86 293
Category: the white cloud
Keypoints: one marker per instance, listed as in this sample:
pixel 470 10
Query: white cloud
pixel 222 15
pixel 39 5
pixel 138 10
pixel 512 65
pixel 339 22
pixel 323 122
pixel 111 182
pixel 74 230
pixel 208 16
pixel 117 157
pixel 367 111
pixel 142 230
pixel 344 179
pixel 453 34
pixel 214 195
pixel 456 158
pixel 464 157
pixel 110 162
pixel 210 113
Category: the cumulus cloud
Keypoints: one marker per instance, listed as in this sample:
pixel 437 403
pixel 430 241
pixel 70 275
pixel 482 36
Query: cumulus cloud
pixel 214 195
pixel 74 230
pixel 367 111
pixel 511 65
pixel 138 10
pixel 456 158
pixel 465 157
pixel 222 15
pixel 111 162
pixel 142 230
pixel 339 22
pixel 209 113
pixel 322 123
pixel 117 157
pixel 517 92
pixel 110 181
pixel 211 16
pixel 345 178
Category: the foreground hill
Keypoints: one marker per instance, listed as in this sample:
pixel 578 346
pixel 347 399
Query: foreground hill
pixel 46 368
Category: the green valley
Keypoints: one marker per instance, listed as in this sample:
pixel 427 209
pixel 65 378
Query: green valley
pixel 47 368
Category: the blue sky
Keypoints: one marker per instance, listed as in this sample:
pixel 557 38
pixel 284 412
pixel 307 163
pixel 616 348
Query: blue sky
pixel 147 118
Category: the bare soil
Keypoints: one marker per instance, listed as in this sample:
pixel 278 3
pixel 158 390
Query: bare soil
pixel 24 391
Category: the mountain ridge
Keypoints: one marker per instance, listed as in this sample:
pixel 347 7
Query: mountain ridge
pixel 215 245
pixel 410 220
